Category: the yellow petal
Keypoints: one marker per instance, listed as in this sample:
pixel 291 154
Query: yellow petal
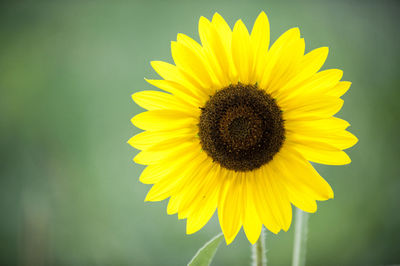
pixel 190 62
pixel 278 52
pixel 300 198
pixel 206 202
pixel 204 213
pixel 323 81
pixel 308 66
pixel 340 89
pixel 322 153
pixel 277 198
pixel 181 92
pixel 153 174
pixel 191 183
pixel 260 43
pixel 196 48
pixel 173 204
pixel 339 139
pixel 156 100
pixel 330 130
pixel 147 139
pixel 262 204
pixel 298 172
pixel 319 84
pixel 303 108
pixel 163 189
pixel 197 187
pixel 189 42
pixel 215 51
pixel 300 195
pixel 172 73
pixel 231 208
pixel 167 185
pixel 199 219
pixel 222 29
pixel 163 120
pixel 147 157
pixel 242 52
pixel 328 125
pixel 180 196
pixel 251 223
pixel 287 65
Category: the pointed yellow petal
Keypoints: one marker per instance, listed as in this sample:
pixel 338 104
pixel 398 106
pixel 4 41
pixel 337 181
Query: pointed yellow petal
pixel 196 189
pixel 297 171
pixel 200 218
pixel 192 63
pixel 205 202
pixel 156 100
pixel 147 139
pixel 251 223
pixel 173 204
pixel 308 66
pixel 312 62
pixel 223 29
pixel 304 108
pixel 300 195
pixel 225 34
pixel 339 139
pixel 153 174
pixel 147 157
pixel 178 199
pixel 163 189
pixel 322 153
pixel 189 42
pixel 277 198
pixel 328 125
pixel 260 43
pixel 278 52
pixel 300 198
pixel 172 73
pixel 262 203
pixel 330 130
pixel 242 52
pixel 192 183
pixel 231 209
pixel 287 66
pixel 216 51
pixel 340 89
pixel 163 120
pixel 319 84
pixel 323 81
pixel 168 184
pixel 196 48
pixel 179 91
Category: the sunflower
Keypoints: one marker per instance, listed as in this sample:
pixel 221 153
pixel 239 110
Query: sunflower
pixel 237 127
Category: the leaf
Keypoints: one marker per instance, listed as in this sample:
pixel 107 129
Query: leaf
pixel 206 253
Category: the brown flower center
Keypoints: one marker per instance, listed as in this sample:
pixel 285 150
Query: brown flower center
pixel 241 127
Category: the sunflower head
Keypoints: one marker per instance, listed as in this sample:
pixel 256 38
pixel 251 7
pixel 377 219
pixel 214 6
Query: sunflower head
pixel 241 127
pixel 237 126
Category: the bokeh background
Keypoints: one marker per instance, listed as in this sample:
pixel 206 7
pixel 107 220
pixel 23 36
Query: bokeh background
pixel 69 191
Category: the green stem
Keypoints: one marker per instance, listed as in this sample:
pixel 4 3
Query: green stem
pixel 258 250
pixel 300 238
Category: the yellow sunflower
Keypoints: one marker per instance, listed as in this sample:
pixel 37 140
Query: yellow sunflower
pixel 237 125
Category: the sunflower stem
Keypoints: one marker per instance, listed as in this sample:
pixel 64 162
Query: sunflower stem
pixel 259 252
pixel 300 238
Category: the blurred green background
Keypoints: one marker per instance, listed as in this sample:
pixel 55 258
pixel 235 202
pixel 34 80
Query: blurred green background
pixel 69 191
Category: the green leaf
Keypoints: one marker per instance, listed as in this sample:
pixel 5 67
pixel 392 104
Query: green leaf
pixel 206 253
